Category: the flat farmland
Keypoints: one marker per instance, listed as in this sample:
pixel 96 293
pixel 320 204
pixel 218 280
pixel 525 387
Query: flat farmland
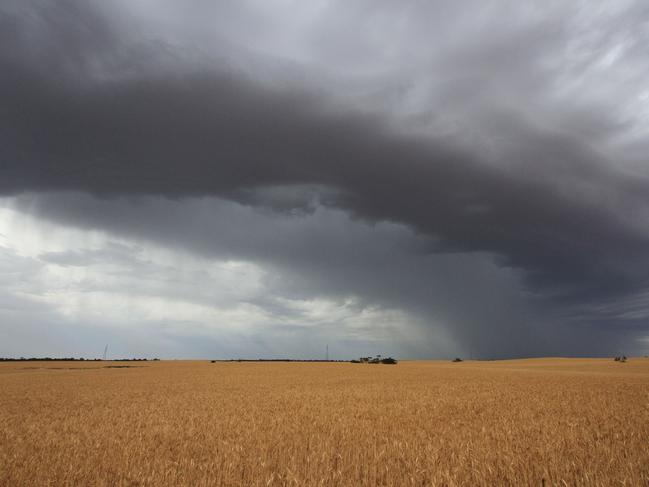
pixel 177 423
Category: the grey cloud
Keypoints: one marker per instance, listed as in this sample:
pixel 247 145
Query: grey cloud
pixel 534 184
pixel 111 253
pixel 37 325
pixel 325 254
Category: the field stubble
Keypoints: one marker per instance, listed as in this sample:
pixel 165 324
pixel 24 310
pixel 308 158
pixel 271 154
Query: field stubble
pixel 558 421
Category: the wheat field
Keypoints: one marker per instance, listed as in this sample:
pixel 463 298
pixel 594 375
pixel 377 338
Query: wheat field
pixel 523 422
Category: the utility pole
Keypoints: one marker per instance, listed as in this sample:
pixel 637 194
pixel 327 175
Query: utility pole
pixel 327 352
pixel 105 351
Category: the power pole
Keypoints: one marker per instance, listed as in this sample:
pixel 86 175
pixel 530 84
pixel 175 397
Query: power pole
pixel 105 351
pixel 327 352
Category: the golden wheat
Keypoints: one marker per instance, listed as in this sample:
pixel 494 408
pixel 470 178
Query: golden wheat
pixel 526 422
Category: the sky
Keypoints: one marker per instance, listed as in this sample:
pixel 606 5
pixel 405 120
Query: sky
pixel 263 178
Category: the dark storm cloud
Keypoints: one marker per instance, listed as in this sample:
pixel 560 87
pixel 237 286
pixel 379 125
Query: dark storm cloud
pixel 89 107
pixel 324 254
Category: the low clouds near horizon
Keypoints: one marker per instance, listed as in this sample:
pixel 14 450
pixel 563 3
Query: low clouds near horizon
pixel 263 178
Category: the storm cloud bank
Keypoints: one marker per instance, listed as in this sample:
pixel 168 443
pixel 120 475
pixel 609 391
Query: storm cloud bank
pixel 481 174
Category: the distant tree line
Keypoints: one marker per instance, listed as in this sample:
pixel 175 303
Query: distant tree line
pixel 362 360
pixel 375 360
